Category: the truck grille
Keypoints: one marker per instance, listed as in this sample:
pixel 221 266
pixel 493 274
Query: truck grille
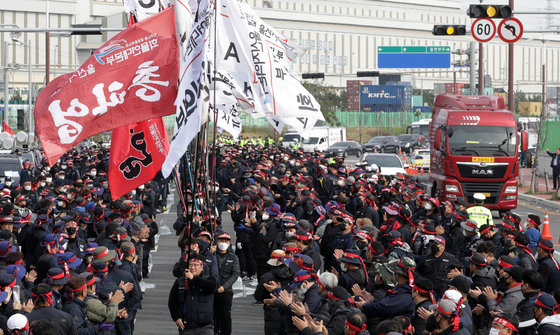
pixel 474 171
pixel 469 189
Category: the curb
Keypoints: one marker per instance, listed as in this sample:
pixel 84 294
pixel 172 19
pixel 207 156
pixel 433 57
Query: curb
pixel 539 201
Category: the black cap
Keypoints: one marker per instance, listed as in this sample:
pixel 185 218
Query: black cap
pixel 424 284
pixel 478 260
pixel 461 283
pixel 516 272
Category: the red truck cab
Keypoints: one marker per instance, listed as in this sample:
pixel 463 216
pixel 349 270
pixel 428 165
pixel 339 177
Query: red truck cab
pixel 474 149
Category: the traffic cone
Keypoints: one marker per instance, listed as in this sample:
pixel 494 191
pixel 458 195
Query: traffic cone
pixel 400 151
pixel 546 228
pixel 404 156
pixel 375 151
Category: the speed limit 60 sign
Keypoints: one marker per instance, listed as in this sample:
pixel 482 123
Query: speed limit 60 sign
pixel 483 30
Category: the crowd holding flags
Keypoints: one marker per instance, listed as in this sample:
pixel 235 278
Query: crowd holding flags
pixel 211 59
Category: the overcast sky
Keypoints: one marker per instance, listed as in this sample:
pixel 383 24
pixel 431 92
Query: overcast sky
pixel 530 22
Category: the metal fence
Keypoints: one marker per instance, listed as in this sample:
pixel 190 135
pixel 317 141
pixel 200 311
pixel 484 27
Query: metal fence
pixel 354 119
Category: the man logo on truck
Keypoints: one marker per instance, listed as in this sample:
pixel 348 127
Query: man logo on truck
pixel 381 94
pixel 483 172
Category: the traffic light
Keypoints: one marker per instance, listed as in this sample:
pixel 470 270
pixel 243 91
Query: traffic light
pixel 489 11
pixel 21 119
pixel 367 74
pixel 319 75
pixel 442 29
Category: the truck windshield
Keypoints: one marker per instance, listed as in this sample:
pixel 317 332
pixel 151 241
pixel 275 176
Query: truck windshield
pixel 311 140
pixel 483 141
pixel 422 129
pixel 383 161
pixel 292 138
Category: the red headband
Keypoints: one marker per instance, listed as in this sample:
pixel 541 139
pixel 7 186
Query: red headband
pixel 504 264
pixel 484 231
pixel 91 281
pixel 47 297
pixel 81 288
pixel 103 254
pixel 505 323
pixel 355 329
pixel 197 261
pixel 299 279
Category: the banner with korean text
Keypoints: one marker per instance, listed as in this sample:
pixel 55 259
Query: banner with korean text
pixel 131 78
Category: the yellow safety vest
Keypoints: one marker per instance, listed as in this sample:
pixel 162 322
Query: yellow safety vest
pixel 481 215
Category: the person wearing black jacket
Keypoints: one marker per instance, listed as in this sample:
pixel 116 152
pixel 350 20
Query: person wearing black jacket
pixel 437 265
pixel 555 165
pixel 43 310
pixel 228 269
pixel 549 267
pixel 191 300
pixel 75 305
pixel 531 288
pixel 422 294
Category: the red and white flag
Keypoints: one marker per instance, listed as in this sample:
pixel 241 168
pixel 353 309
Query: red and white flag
pixel 7 129
pixel 131 78
pixel 137 153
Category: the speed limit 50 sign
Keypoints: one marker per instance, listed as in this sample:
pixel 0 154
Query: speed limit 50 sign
pixel 483 30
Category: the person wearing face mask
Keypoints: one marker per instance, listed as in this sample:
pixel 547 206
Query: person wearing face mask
pixel 353 271
pixel 531 288
pixel 445 319
pixel 287 235
pixel 504 324
pixel 228 268
pixel 309 247
pixel 437 264
pixel 546 314
pixel 423 296
pixel 508 300
pixel 345 238
pixel 549 267
pixel 304 289
pixel 75 243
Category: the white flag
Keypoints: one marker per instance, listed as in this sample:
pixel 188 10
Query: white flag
pixel 228 120
pixel 191 81
pixel 259 60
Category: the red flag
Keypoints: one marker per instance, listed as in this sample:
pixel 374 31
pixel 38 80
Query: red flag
pixel 7 128
pixel 137 153
pixel 131 78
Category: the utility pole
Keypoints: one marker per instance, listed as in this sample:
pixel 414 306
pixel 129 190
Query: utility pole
pixel 30 91
pixel 47 49
pixel 480 69
pixel 510 69
pixel 472 79
pixel 6 91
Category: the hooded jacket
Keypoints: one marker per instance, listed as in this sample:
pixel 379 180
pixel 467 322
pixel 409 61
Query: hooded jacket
pixel 550 325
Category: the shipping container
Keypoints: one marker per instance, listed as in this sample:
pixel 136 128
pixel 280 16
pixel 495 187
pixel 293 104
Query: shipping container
pixel 353 93
pixel 421 109
pixel 382 95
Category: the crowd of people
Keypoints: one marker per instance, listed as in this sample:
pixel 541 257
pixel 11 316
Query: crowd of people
pixel 353 251
pixel 71 259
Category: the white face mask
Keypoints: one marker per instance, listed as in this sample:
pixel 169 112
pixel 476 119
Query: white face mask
pixel 302 289
pixel 265 216
pixel 343 267
pixel 42 184
pixel 285 159
pixel 494 331
pixel 428 206
pixel 63 189
pixel 289 234
pixel 27 188
pixel 133 192
pixel 526 225
pixel 8 183
pixel 60 203
pixel 61 177
pixel 216 189
pixel 141 187
pixel 47 169
pixel 90 185
pixel 340 183
pixel 223 246
pixel 63 167
pixel 93 173
pixel 48 180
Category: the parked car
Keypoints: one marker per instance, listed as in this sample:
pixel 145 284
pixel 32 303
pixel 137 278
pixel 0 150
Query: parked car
pixel 421 159
pixel 10 166
pixel 410 142
pixel 382 144
pixel 346 148
pixel 388 164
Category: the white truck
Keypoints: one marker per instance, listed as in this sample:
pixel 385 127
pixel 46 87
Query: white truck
pixel 421 127
pixel 318 138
